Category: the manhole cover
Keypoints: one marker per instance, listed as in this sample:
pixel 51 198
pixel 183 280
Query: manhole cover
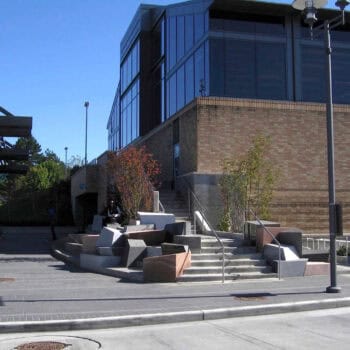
pixel 6 279
pixel 49 342
pixel 43 345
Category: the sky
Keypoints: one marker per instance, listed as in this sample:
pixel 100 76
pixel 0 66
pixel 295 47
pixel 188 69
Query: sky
pixel 57 54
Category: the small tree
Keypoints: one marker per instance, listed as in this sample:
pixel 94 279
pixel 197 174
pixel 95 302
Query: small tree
pixel 134 173
pixel 247 183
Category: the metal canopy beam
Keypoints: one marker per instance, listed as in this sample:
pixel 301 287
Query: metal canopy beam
pixel 13 154
pixel 15 126
pixel 13 169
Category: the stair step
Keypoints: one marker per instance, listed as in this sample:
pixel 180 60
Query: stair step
pixel 233 250
pixel 228 256
pixel 209 270
pixel 218 277
pixel 232 262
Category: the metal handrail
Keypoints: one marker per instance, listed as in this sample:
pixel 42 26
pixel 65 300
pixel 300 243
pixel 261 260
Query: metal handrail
pixel 273 238
pixel 202 212
pixel 162 209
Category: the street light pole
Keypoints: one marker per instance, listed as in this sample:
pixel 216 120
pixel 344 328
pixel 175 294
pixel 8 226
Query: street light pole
pixel 86 105
pixel 310 7
pixel 66 149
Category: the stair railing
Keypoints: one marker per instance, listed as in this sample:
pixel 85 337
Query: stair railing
pixel 196 203
pixel 273 238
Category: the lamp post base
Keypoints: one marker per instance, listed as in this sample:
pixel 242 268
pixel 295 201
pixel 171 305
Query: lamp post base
pixel 331 289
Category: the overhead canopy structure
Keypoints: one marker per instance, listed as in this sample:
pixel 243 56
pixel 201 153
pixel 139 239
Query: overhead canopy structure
pixel 13 126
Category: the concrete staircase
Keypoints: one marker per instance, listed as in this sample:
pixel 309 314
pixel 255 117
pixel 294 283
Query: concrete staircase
pixel 174 203
pixel 241 262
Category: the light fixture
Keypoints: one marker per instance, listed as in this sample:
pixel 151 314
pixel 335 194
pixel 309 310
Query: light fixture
pixel 310 8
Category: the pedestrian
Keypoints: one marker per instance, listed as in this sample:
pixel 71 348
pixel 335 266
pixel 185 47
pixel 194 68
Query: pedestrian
pixel 113 212
pixel 52 217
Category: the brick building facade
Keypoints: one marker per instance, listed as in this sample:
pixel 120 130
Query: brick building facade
pixel 214 129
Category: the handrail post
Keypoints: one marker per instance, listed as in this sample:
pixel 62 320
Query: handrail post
pixel 273 238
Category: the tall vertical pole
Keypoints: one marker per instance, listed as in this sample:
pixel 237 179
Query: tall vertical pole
pixel 66 167
pixel 86 105
pixel 330 153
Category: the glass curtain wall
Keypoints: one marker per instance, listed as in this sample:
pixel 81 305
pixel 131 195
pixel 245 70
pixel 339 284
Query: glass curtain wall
pixel 130 95
pixel 248 57
pixel 114 124
pixel 310 57
pixel 187 59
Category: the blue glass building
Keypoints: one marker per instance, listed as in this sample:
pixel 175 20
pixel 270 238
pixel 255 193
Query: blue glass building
pixel 237 49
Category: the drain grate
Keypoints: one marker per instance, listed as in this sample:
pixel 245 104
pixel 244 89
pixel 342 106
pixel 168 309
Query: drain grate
pixel 43 345
pixel 6 279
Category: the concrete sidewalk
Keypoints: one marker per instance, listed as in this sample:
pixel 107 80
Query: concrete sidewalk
pixel 40 293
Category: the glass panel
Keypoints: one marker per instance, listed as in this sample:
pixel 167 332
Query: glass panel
pixel 341 75
pixel 271 71
pixel 198 26
pixel 180 38
pixel 172 42
pixel 217 72
pixel 167 99
pixel 198 70
pixel 206 62
pixel 138 116
pixel 162 37
pixel 189 77
pixel 239 66
pixel 188 32
pixel 312 74
pixel 172 95
pixel 180 87
pixel 162 98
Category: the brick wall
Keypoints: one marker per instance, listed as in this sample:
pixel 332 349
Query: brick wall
pixel 212 129
pixel 226 128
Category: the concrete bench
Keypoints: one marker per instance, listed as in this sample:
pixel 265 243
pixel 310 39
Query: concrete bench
pixel 158 219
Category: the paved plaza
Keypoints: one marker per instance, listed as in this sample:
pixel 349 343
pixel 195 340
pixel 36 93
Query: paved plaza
pixel 38 293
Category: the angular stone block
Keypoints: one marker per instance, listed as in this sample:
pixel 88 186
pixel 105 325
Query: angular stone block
pixel 173 248
pixel 192 241
pixel 153 251
pixel 89 243
pixel 76 237
pixel 158 219
pixel 107 237
pixel 292 237
pixel 291 268
pixel 134 252
pixel 107 251
pixel 73 248
pixel 251 227
pixel 316 268
pixel 165 268
pixel 271 253
pixel 136 228
pixel 94 262
pixel 97 223
pixel 263 237
pixel 177 228
pixel 151 238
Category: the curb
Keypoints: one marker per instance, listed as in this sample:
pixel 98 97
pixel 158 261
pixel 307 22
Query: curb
pixel 171 317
